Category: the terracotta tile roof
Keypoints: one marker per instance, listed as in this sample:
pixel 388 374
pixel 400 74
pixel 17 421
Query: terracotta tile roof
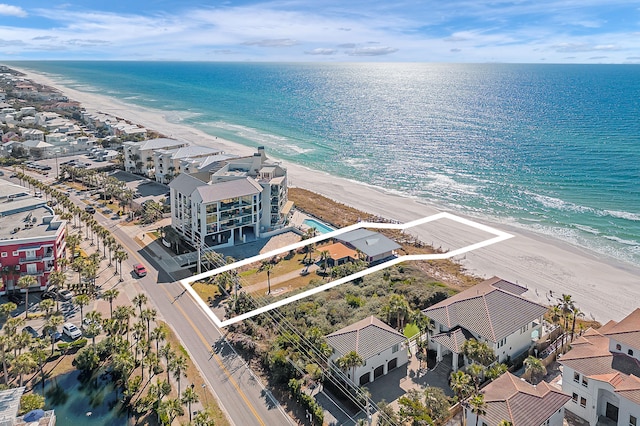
pixel 493 309
pixel 453 339
pixel 590 356
pixel 626 331
pixel 367 337
pixel 521 403
pixel 339 251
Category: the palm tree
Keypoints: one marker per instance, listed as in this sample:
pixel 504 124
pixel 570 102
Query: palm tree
pixel 25 282
pixel 477 405
pixel 81 301
pixel 124 314
pixel 267 266
pixel 566 305
pixel 190 396
pixel 51 326
pixel 120 256
pixel 148 315
pixel 168 354
pixel 535 368
pixel 460 383
pixel 575 314
pixel 324 258
pixel 110 295
pixel 178 366
pixel 350 360
pixel 46 306
pixel 139 300
pixel 24 364
pixel 476 371
pixel 159 334
pixel 5 344
pixel 171 408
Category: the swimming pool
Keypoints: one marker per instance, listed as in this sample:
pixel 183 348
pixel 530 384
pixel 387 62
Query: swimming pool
pixel 320 227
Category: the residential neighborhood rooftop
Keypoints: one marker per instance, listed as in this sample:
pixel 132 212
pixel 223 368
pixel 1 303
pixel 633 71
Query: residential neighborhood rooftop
pixel 367 337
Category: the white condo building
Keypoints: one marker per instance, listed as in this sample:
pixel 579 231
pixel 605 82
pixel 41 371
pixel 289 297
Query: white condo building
pixel 243 199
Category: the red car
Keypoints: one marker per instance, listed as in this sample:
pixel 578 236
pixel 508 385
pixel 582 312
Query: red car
pixel 140 270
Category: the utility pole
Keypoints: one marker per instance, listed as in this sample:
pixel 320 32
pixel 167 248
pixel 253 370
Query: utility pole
pixel 199 254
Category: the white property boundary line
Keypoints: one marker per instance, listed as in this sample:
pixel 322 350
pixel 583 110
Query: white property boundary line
pixel 186 283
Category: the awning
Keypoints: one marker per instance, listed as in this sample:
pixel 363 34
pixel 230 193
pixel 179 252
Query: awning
pixel 287 207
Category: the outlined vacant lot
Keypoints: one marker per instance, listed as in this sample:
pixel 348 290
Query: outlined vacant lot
pixel 472 234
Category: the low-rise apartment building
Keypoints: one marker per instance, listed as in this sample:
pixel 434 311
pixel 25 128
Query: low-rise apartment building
pixel 32 237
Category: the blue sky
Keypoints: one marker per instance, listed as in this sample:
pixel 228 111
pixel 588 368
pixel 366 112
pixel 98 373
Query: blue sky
pixel 528 31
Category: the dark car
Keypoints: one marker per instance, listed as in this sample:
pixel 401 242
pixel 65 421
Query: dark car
pixel 32 331
pixel 49 295
pixel 16 298
pixel 90 209
pixel 52 334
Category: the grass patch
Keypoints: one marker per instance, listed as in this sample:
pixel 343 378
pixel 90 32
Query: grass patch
pixel 410 330
pixel 193 376
pixel 206 291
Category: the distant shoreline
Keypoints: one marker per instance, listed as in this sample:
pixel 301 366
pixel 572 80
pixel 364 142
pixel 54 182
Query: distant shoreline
pixel 603 288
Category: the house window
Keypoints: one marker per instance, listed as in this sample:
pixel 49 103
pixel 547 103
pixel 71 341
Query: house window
pixel 574 397
pixel 583 402
pixel 585 382
pixel 395 348
pixel 30 254
pixel 502 342
pixel 633 421
pixel 524 329
pixel 618 347
pixel 576 377
pixel 630 352
pixel 32 268
pixel 15 253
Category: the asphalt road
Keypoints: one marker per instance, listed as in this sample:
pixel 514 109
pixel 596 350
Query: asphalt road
pixel 241 394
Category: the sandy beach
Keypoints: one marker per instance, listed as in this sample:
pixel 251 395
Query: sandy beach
pixel 603 288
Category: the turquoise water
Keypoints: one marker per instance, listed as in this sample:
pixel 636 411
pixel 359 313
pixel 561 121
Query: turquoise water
pixel 84 401
pixel 320 227
pixel 554 149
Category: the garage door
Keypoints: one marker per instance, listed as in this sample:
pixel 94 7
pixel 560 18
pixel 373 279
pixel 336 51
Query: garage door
pixel 392 364
pixel 378 372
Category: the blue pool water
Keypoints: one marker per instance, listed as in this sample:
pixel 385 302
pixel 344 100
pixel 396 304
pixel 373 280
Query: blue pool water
pixel 320 227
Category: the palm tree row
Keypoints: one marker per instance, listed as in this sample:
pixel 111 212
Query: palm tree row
pixel 135 353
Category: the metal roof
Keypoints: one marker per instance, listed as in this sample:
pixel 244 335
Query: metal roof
pixel 367 337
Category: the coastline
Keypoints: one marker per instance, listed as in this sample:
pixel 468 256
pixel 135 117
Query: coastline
pixel 603 288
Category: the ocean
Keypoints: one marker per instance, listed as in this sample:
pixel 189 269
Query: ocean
pixel 553 149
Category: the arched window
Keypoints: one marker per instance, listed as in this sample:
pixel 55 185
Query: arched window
pixel 630 352
pixel 618 347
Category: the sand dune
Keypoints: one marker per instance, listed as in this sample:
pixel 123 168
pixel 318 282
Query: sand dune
pixel 602 287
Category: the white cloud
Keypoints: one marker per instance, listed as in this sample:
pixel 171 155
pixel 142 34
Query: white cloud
pixel 321 51
pixel 372 51
pixel 9 10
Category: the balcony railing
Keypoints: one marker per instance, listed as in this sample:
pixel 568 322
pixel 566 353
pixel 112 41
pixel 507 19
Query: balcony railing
pixel 24 260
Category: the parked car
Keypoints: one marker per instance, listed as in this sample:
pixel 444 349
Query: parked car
pixel 16 298
pixel 65 295
pixel 71 330
pixel 90 209
pixel 32 331
pixel 49 295
pixel 52 334
pixel 140 270
pixel 87 322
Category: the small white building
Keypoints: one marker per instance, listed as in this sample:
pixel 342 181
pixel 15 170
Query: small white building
pixel 381 348
pixel 520 403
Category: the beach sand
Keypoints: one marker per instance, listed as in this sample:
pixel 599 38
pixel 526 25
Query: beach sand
pixel 602 288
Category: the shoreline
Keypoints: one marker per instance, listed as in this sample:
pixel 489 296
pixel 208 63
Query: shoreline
pixel 603 288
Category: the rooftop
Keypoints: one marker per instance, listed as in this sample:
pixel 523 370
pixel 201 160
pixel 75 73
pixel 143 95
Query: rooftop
pixel 492 309
pixel 367 337
pixel 523 404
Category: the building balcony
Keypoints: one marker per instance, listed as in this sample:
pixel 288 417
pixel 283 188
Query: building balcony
pixel 24 260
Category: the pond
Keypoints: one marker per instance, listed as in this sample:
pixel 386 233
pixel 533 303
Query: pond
pixel 81 400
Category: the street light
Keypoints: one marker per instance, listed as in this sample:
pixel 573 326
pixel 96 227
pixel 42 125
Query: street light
pixel 204 389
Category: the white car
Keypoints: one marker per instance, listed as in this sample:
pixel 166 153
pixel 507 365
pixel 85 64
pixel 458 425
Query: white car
pixel 71 330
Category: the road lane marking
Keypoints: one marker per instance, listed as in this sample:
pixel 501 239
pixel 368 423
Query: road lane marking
pixel 206 343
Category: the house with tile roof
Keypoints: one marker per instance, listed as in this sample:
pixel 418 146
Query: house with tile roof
pixel 381 347
pixel 601 372
pixel 493 312
pixel 522 404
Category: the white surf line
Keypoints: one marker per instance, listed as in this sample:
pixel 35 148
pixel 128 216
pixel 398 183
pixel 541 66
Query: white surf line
pixel 186 283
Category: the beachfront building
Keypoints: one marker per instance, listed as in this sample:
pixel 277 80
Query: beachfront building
pixel 374 246
pixel 138 156
pixel 240 201
pixel 493 312
pixel 32 237
pixel 601 372
pixel 520 403
pixel 168 163
pixel 380 347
